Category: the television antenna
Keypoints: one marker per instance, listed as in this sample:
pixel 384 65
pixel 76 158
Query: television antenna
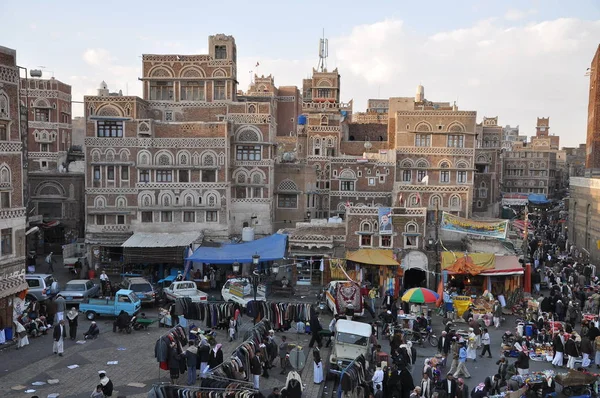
pixel 323 53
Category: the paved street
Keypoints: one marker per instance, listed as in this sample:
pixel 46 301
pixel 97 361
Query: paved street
pixel 136 363
pixel 134 353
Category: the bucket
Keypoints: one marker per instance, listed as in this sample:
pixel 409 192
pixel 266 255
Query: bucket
pixel 8 333
pixel 91 274
pixel 528 330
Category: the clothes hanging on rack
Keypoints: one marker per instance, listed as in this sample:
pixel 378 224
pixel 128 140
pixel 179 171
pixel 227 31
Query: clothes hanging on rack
pixel 282 315
pixel 233 390
pixel 238 366
pixel 162 351
pixel 213 313
pixel 355 375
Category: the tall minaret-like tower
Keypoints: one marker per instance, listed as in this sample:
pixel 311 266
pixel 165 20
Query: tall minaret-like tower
pixel 420 95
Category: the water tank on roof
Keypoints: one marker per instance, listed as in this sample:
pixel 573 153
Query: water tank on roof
pixel 35 73
pixel 247 234
pixel 302 119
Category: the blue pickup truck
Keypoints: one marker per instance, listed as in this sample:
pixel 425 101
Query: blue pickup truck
pixel 125 300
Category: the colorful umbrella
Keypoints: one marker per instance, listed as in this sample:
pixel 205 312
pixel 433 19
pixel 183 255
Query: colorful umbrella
pixel 420 295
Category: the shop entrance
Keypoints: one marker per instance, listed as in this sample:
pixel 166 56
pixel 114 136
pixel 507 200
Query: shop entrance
pixel 415 265
pixel 414 277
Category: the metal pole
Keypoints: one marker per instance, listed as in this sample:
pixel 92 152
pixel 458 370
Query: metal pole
pixel 525 234
pixel 437 238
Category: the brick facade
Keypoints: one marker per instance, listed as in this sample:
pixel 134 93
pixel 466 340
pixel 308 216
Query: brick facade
pixel 12 208
pixel 592 162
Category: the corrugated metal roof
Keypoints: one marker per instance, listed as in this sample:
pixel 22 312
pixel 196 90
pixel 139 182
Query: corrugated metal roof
pixel 160 239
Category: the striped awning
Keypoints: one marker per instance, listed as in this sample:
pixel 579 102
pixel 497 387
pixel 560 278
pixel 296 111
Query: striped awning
pixel 12 285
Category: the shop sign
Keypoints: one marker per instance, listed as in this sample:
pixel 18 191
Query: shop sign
pixel 492 229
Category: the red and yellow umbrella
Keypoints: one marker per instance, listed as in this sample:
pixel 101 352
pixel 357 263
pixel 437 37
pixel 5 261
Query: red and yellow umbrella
pixel 420 295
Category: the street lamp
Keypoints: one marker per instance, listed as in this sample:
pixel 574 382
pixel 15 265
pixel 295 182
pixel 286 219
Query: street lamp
pixel 255 276
pixel 275 269
pixel 236 267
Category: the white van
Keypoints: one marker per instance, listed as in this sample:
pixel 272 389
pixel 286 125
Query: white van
pixel 351 339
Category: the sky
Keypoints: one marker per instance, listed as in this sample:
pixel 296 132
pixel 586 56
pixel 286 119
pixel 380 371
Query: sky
pixel 513 59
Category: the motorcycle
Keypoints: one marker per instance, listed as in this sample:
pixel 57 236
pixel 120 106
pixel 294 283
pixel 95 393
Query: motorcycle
pixel 420 337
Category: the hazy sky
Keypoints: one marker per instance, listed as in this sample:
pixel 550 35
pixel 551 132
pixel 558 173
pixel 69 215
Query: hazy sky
pixel 512 59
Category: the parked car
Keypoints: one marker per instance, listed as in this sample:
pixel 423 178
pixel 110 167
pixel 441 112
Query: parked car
pixel 241 291
pixel 141 287
pixel 181 289
pixel 41 287
pixel 77 290
pixel 125 300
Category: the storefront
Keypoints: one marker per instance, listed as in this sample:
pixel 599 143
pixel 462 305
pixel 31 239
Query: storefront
pixel 265 251
pixel 474 273
pixel 415 266
pixel 376 267
pixel 309 270
pixel 13 289
pixel 152 255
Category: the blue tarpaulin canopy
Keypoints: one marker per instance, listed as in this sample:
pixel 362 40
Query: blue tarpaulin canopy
pixel 538 199
pixel 269 249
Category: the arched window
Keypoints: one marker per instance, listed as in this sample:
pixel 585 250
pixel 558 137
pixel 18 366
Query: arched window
pixel 411 228
pixel 124 155
pixel 248 135
pixel 5 175
pixel 163 160
pixel 241 178
pixel 183 159
pixel 366 226
pixel 454 201
pixel 212 200
pixel 482 185
pixel 100 202
pixel 251 108
pixel 541 183
pixel 144 159
pixel 347 174
pixel 413 200
pixel 422 164
pixel 4 105
pixel 208 160
pixel 121 202
pixel 435 200
pixel 147 201
pixel 110 156
pixel 256 178
pixel 166 200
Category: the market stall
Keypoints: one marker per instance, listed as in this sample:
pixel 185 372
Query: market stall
pixel 377 266
pixel 474 273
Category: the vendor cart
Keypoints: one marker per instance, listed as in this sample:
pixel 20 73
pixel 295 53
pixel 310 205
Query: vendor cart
pixel 577 383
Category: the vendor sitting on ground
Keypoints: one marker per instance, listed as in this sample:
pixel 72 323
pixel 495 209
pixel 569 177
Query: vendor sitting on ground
pixel 284 282
pixel 121 322
pixel 92 332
